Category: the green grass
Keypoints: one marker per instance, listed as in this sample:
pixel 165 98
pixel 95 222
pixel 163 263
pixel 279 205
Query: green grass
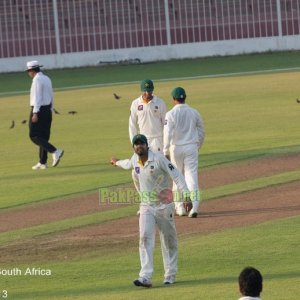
pixel 250 185
pixel 208 268
pixel 71 223
pixel 18 82
pixel 246 117
pixel 127 211
pixel 239 119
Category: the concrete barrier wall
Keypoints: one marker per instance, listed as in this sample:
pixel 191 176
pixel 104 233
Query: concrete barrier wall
pixel 76 33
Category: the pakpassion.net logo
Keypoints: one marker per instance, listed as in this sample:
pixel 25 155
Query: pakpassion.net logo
pixel 117 195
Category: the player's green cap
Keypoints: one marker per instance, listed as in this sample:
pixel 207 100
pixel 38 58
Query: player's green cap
pixel 147 85
pixel 139 138
pixel 178 93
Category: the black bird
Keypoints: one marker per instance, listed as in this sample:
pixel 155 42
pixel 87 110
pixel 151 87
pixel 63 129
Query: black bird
pixel 298 101
pixel 72 112
pixel 56 112
pixel 12 124
pixel 117 97
pixel 24 121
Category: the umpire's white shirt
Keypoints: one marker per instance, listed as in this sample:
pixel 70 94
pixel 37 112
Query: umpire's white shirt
pixel 250 298
pixel 41 92
pixel 183 126
pixel 154 176
pixel 147 117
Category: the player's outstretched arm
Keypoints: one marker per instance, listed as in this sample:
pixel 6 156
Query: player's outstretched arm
pixel 113 161
pixel 122 163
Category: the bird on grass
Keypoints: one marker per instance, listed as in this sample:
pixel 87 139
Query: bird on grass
pixel 12 124
pixel 298 101
pixel 56 112
pixel 24 121
pixel 117 97
pixel 72 112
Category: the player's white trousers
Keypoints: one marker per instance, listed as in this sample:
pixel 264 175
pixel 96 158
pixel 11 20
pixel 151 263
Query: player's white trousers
pixel 185 158
pixel 164 218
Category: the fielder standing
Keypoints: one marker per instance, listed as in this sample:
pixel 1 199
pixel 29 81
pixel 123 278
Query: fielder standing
pixel 147 116
pixel 41 102
pixel 153 171
pixel 183 137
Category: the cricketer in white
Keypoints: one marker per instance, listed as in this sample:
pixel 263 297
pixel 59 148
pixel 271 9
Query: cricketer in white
pixel 183 137
pixel 147 116
pixel 156 207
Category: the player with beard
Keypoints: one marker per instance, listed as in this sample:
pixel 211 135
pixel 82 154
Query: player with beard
pixel 156 207
pixel 147 116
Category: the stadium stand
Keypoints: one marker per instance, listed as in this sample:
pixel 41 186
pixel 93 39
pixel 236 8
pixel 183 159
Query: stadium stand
pixel 27 27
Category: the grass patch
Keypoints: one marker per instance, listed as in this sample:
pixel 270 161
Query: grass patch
pixel 239 124
pixel 208 266
pixel 59 226
pixel 251 185
pixel 246 117
pixel 123 212
pixel 18 82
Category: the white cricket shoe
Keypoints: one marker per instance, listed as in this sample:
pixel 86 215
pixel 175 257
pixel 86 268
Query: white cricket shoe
pixel 57 155
pixel 142 282
pixel 39 166
pixel 169 279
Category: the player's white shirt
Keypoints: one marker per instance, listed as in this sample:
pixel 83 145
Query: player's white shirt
pixel 183 126
pixel 41 92
pixel 154 175
pixel 147 118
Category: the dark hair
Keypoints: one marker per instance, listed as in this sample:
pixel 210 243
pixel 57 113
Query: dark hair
pixel 36 69
pixel 250 282
pixel 180 100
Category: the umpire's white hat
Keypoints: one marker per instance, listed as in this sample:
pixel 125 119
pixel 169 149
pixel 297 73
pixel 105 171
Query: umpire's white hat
pixel 32 65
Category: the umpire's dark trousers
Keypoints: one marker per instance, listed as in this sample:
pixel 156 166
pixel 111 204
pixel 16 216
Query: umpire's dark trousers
pixel 39 132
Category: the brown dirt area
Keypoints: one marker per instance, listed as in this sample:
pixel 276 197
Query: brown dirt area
pixel 239 210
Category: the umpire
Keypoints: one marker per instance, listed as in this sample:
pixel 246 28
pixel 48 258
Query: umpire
pixel 41 102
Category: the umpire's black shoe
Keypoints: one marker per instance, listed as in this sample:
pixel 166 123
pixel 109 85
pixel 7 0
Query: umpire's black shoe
pixel 143 282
